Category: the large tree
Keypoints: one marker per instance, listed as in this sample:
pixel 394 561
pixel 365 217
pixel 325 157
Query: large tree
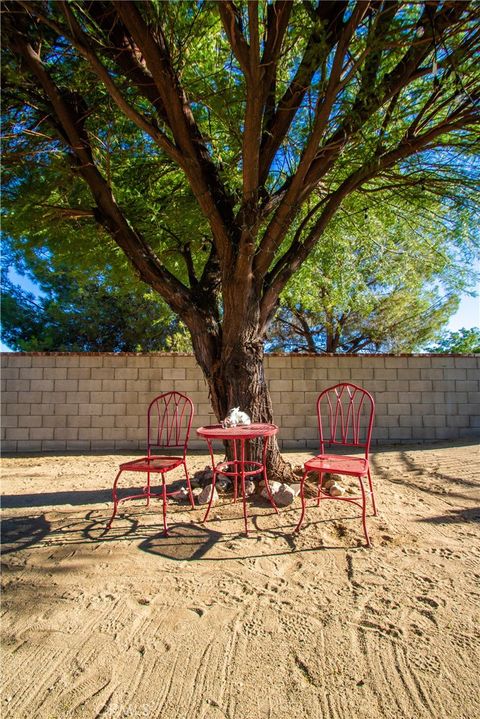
pixel 267 115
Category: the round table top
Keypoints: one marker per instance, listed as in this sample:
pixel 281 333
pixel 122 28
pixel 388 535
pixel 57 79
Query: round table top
pixel 241 431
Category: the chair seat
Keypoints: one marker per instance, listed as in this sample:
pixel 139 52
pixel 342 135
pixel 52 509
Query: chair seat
pixel 152 464
pixel 334 463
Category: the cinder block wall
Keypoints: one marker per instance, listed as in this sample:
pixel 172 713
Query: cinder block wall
pixel 56 401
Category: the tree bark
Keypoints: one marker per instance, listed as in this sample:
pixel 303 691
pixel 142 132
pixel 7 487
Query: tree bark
pixel 236 378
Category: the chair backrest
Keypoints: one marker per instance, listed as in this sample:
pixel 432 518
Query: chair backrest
pixel 169 420
pixel 345 416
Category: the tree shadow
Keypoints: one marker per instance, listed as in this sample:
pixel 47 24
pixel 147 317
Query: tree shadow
pixel 54 499
pixel 418 478
pixel 454 516
pixel 21 532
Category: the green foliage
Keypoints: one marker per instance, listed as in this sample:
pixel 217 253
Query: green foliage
pixel 463 341
pixel 74 314
pixel 380 280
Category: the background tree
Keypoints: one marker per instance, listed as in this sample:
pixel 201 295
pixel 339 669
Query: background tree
pixel 82 309
pixel 464 341
pixel 379 284
pixel 268 116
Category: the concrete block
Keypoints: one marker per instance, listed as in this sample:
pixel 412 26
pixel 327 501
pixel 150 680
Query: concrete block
pixel 41 433
pixel 185 361
pixel 455 374
pixel 281 385
pixel 410 420
pixel 114 409
pixel 341 374
pixel 395 433
pixel 115 361
pixel 101 421
pixel 10 373
pixel 305 433
pixel 103 397
pixel 12 421
pixel 64 433
pixel 466 386
pixel 29 397
pixel 467 362
pixel 361 376
pixel 281 362
pixel 472 433
pixel 144 386
pixel 273 374
pixel 316 374
pixel 78 421
pixel 388 397
pixel 126 421
pixel 456 397
pixel 292 421
pixel 16 360
pixel 130 373
pixel 177 373
pixel 67 360
pixel 76 445
pixel 55 421
pixel 86 433
pixel 66 409
pixel 77 397
pixel 386 374
pixel 29 446
pixel 77 373
pixel 65 385
pixel 430 420
pixel 289 373
pixel 113 385
pixel 435 397
pixel 408 374
pixel 90 408
pixel 89 385
pixel 410 397
pixel 31 373
pixel 469 409
pixel 443 385
pixel 113 433
pixel 457 421
pixel 19 385
pixel 424 385
pixel 9 398
pixel 54 397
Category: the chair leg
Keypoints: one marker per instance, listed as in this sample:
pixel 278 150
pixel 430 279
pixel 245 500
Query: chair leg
pixel 115 499
pixel 164 496
pixel 370 484
pixel 364 512
pixel 319 488
pixel 214 479
pixel 265 477
pixel 302 497
pixel 242 479
pixel 190 495
pixel 148 489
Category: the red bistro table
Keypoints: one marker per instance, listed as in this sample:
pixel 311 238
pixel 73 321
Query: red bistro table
pixel 239 467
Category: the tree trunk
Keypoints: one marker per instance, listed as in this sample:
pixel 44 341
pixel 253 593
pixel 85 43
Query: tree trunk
pixel 236 378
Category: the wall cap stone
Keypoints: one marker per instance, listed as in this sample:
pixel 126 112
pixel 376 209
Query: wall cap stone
pixel 266 355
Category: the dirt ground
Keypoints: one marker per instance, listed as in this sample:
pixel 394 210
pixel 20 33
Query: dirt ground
pixel 211 624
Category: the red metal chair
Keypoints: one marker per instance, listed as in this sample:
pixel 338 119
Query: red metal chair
pixel 345 415
pixel 169 419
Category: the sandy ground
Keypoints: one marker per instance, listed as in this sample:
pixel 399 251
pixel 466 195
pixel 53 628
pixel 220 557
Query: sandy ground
pixel 210 624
